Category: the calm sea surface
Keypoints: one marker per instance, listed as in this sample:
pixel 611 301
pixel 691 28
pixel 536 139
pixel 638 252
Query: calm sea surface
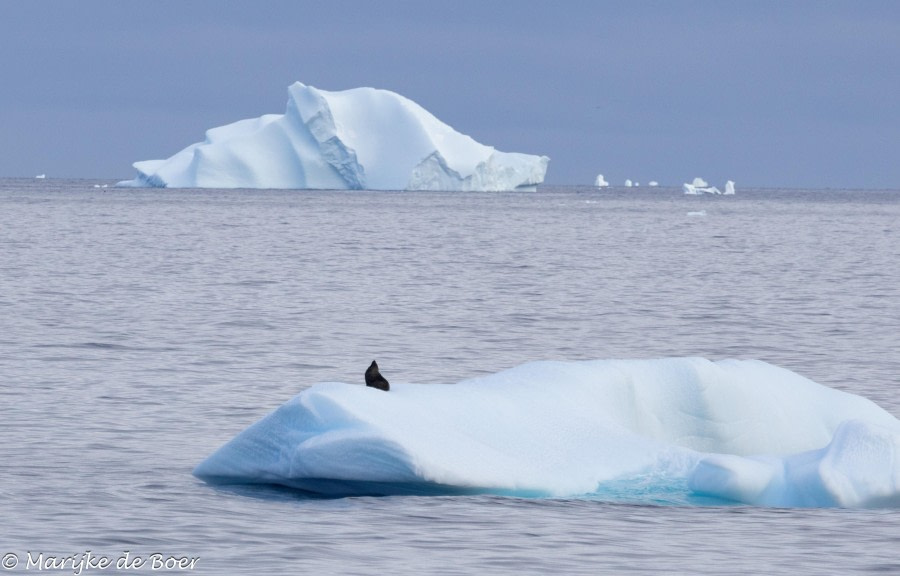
pixel 142 329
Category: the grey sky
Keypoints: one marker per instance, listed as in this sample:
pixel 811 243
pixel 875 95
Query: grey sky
pixel 767 93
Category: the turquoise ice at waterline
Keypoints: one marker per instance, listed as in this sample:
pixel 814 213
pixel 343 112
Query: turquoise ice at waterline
pixel 678 430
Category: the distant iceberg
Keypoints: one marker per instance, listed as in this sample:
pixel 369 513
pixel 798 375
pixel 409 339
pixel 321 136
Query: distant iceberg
pixel 600 182
pixel 354 139
pixel 679 430
pixel 700 186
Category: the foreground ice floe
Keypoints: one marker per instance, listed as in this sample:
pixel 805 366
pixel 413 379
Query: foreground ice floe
pixel 696 430
pixel 354 139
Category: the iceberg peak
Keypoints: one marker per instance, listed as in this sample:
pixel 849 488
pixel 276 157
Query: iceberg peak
pixel 363 138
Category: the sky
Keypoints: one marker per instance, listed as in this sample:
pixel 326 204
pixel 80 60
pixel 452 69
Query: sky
pixel 767 93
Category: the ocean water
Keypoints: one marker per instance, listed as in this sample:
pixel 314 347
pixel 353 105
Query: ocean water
pixel 142 329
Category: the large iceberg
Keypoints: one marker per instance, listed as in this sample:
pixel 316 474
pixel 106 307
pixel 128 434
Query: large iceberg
pixel 354 139
pixel 680 430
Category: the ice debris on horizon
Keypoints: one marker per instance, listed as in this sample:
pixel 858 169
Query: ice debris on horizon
pixel 363 138
pixel 600 182
pixel 700 186
pixel 695 430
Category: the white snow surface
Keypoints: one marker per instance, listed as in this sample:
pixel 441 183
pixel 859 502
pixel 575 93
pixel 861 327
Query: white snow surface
pixel 363 138
pixel 732 430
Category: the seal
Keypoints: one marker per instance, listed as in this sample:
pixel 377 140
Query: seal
pixel 374 379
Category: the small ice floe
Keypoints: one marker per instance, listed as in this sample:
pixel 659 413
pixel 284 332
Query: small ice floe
pixel 41 176
pixel 600 182
pixel 629 183
pixel 700 186
pixel 653 183
pixel 697 213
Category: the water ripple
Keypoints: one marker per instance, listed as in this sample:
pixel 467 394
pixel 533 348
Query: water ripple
pixel 142 329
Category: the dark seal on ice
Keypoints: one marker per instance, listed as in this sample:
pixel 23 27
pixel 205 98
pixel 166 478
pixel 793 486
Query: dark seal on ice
pixel 375 379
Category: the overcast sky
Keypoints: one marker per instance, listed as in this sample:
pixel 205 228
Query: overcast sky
pixel 767 93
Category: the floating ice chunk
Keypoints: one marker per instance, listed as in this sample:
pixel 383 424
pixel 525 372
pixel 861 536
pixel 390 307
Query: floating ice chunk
pixel 699 186
pixel 600 182
pixel 697 213
pixel 653 183
pixel 41 176
pixel 729 187
pixel 731 430
pixel 629 183
pixel 353 139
